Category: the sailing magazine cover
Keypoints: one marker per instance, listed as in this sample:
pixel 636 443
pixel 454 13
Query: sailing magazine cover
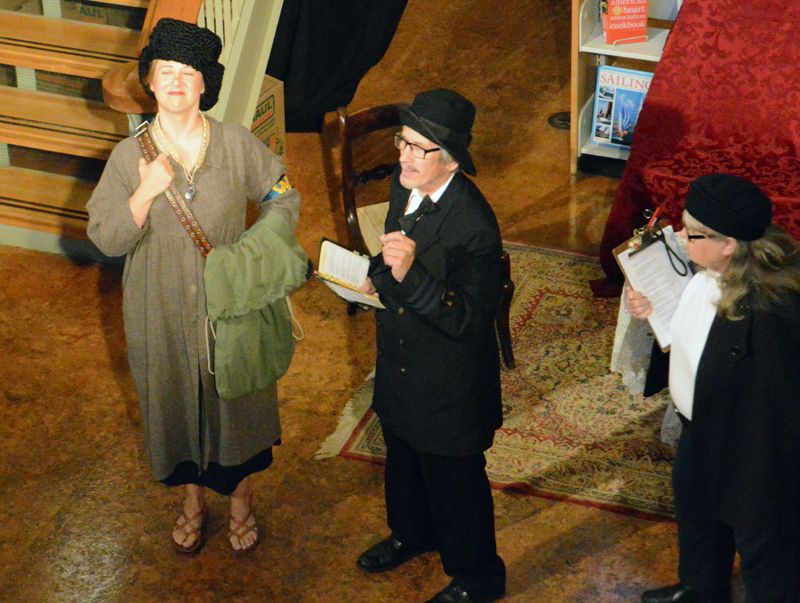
pixel 618 101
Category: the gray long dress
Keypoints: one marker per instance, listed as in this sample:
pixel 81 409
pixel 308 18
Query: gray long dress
pixel 164 304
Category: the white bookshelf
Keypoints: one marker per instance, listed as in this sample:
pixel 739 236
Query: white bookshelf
pixel 646 51
pixel 589 52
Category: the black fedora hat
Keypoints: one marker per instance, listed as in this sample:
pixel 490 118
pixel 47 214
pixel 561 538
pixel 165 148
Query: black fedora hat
pixel 445 118
pixel 198 47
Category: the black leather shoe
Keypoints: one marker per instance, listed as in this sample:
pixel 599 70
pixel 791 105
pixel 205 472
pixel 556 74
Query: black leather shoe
pixel 456 594
pixel 387 555
pixel 678 593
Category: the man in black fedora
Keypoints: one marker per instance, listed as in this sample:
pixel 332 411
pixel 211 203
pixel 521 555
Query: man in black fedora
pixel 437 378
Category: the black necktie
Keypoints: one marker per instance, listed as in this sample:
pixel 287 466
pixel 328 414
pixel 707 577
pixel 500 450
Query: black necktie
pixel 408 221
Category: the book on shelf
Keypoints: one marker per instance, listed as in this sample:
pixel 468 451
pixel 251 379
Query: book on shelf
pixel 624 21
pixel 618 101
pixel 344 271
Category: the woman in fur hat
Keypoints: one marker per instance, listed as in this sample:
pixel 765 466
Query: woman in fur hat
pixel 194 437
pixel 735 380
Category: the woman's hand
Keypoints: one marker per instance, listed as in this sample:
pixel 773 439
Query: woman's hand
pixel 155 176
pixel 154 179
pixel 638 305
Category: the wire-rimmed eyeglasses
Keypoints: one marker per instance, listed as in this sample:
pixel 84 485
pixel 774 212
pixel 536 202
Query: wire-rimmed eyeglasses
pixel 416 150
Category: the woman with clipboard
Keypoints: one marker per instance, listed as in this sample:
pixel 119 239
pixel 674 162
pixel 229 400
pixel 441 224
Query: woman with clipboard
pixel 735 381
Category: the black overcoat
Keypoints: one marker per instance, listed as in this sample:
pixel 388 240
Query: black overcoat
pixel 437 379
pixel 745 444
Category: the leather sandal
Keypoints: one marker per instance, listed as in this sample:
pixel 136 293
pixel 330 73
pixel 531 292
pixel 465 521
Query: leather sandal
pixel 187 526
pixel 242 529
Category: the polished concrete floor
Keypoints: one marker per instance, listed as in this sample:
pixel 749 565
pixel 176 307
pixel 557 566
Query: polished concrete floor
pixel 82 520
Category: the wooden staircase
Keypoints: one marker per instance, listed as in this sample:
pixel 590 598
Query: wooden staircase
pixel 42 132
pixel 55 138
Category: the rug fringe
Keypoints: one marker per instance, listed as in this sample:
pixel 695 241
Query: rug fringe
pixel 353 412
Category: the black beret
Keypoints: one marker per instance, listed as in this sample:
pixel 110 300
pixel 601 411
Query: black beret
pixel 198 47
pixel 733 206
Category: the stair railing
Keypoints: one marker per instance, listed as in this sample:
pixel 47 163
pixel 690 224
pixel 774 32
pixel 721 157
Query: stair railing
pixel 247 29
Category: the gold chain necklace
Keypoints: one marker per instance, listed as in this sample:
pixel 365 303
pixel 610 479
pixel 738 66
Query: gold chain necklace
pixel 165 143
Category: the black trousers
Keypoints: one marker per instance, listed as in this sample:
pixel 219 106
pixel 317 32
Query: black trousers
pixel 444 503
pixel 707 547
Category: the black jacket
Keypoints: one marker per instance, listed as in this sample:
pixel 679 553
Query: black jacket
pixel 745 444
pixel 437 381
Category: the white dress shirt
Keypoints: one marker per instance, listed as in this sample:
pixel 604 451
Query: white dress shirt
pixel 691 324
pixel 415 198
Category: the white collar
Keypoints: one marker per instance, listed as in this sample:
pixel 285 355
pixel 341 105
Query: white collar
pixel 416 198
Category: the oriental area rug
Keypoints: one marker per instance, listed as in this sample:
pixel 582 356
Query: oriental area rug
pixel 572 431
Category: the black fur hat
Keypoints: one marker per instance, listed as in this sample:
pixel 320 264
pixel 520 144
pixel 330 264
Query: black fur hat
pixel 198 47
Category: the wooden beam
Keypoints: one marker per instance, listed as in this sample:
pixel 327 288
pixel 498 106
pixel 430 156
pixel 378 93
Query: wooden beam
pixel 83 49
pixel 61 124
pixel 130 3
pixel 44 202
pixel 70 228
pixel 183 10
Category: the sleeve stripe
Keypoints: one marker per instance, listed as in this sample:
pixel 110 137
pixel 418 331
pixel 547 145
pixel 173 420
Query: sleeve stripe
pixel 427 296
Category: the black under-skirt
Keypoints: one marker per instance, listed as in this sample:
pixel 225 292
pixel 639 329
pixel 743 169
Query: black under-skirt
pixel 222 480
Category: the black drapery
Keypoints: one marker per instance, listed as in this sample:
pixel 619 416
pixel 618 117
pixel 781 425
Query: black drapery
pixel 323 48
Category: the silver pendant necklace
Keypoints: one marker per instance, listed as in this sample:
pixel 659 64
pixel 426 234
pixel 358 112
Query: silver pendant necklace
pixel 173 152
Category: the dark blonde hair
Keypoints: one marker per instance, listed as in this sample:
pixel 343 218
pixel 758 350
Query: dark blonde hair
pixel 764 271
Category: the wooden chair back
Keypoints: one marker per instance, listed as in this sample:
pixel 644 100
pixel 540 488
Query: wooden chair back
pixel 367 154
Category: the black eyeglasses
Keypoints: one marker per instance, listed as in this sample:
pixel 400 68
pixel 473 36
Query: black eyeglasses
pixel 416 150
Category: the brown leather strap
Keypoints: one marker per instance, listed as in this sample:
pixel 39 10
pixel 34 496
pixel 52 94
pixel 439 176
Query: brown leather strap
pixel 182 210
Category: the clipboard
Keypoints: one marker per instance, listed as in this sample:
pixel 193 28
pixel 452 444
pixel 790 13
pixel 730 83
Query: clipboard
pixel 654 264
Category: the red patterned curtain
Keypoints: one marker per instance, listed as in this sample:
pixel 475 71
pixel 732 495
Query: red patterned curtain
pixel 725 97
